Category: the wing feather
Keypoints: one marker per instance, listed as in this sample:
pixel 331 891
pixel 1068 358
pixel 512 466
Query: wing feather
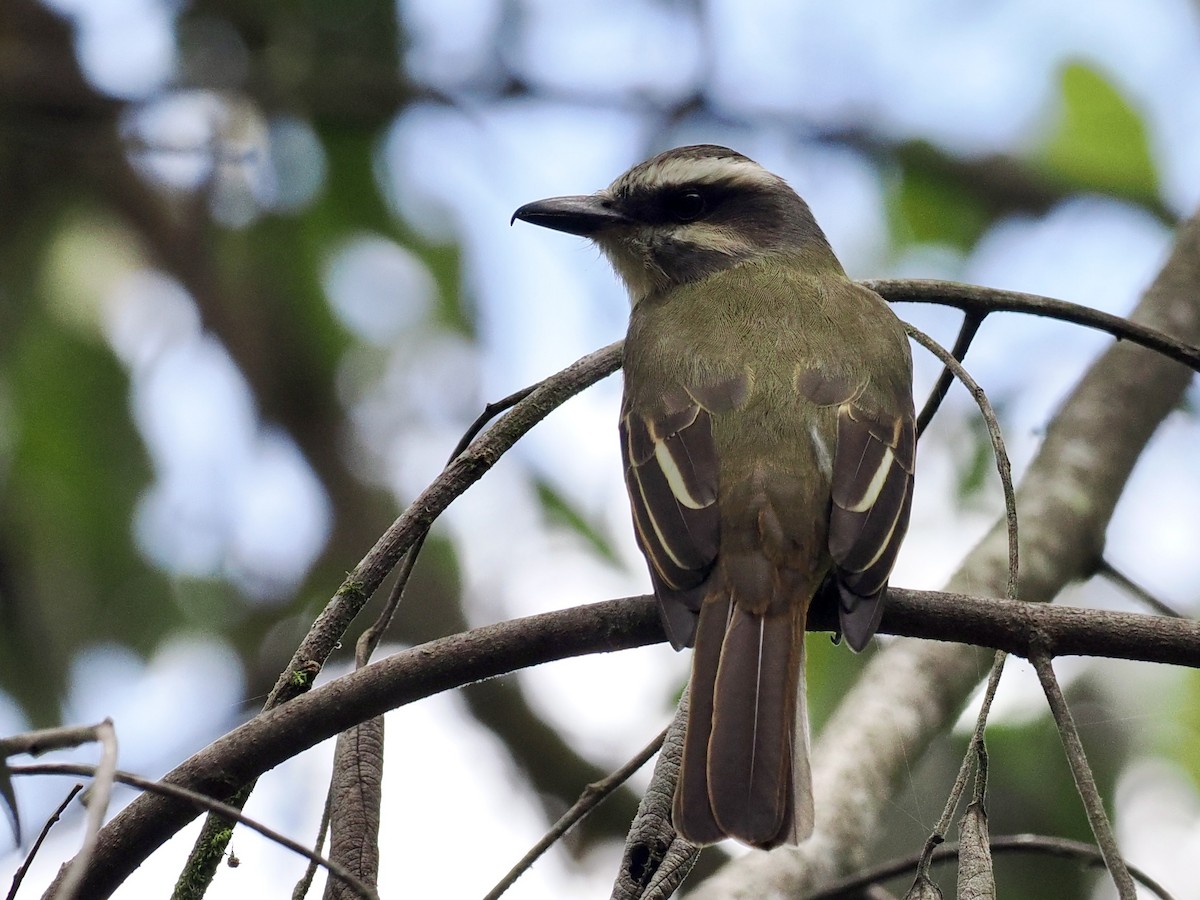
pixel 671 471
pixel 671 477
pixel 872 497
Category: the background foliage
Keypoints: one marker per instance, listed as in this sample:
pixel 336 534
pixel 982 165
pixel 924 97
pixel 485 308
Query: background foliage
pixel 256 277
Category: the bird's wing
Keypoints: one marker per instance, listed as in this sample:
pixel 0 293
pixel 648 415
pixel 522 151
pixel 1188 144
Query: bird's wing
pixel 872 496
pixel 671 471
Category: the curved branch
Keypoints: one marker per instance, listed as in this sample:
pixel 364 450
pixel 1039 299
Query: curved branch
pixel 23 869
pixel 1085 781
pixel 278 734
pixel 973 299
pixel 532 405
pixel 464 471
pixel 201 802
pixel 444 664
pixel 962 343
pixel 999 451
pixel 1033 844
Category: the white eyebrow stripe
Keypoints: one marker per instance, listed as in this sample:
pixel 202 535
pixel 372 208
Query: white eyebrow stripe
pixel 704 170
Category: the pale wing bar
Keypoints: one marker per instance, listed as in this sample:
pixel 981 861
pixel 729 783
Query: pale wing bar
pixel 872 497
pixel 671 473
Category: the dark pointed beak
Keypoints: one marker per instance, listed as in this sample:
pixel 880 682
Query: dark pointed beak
pixel 585 216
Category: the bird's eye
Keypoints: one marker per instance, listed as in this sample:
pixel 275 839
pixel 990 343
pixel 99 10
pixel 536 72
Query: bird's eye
pixel 686 206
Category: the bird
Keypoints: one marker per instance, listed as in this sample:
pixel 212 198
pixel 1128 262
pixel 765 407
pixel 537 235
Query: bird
pixel 767 435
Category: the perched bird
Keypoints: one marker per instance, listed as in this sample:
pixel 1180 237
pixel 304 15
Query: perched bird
pixel 767 434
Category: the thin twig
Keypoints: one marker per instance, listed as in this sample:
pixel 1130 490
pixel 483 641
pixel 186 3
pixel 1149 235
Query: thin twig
pixel 360 585
pixel 357 811
pixel 19 875
pixel 278 734
pixel 1119 578
pixel 310 871
pixel 203 801
pixel 975 750
pixel 1001 455
pixel 369 640
pixel 592 796
pixel 466 469
pixel 964 768
pixel 966 334
pixel 972 298
pixel 9 798
pixel 952 364
pixel 96 797
pixel 35 743
pixel 1084 782
pixel 1017 843
pixel 979 794
pixel 98 793
pixel 490 412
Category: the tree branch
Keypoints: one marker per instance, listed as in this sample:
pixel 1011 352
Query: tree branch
pixel 464 471
pixel 278 734
pixel 201 802
pixel 975 300
pixel 1032 844
pixel 447 663
pixel 1085 782
pixel 406 532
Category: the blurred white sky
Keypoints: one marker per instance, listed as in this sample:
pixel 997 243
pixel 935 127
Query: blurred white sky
pixel 974 78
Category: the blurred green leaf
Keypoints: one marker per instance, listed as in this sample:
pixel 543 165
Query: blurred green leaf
pixel 560 510
pixel 455 312
pixel 832 669
pixel 1100 141
pixel 926 206
pixel 76 472
pixel 979 466
pixel 1179 731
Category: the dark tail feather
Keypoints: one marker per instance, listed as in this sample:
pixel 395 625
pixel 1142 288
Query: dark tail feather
pixel 692 813
pixel 752 746
pixel 745 772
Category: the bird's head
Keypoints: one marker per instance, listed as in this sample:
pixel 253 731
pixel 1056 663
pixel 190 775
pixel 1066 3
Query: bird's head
pixel 683 215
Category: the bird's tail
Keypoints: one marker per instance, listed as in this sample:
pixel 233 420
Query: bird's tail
pixel 745 771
